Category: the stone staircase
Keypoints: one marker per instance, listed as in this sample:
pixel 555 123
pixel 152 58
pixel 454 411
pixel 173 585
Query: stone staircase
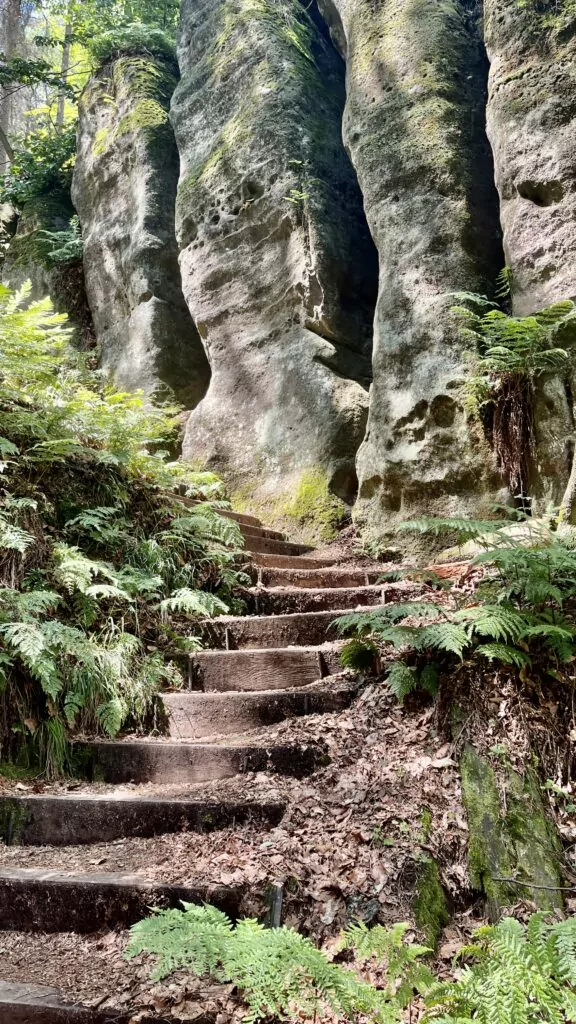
pixel 259 669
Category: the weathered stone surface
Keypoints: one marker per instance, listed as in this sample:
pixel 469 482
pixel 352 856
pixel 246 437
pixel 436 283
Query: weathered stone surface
pixel 278 268
pixel 124 191
pixel 28 258
pixel 414 125
pixel 531 119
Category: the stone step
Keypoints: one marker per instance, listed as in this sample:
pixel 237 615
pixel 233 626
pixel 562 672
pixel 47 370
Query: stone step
pixel 165 761
pixel 257 544
pixel 279 561
pixel 303 629
pixel 282 600
pixel 195 716
pixel 36 1004
pixel 268 669
pixel 244 519
pixel 41 900
pixel 74 820
pixel 314 578
pixel 248 532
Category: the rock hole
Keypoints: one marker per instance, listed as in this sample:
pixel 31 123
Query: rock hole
pixel 541 193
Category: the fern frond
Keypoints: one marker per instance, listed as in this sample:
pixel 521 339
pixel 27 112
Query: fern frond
pixel 504 654
pixel 193 602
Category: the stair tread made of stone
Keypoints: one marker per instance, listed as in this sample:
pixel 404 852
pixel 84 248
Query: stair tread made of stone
pixel 74 819
pixel 269 668
pixel 44 899
pixel 39 1004
pixel 314 578
pixel 293 561
pixel 283 600
pixel 121 761
pixel 199 715
pixel 295 629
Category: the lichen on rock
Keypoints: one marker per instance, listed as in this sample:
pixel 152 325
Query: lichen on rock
pixel 125 191
pixel 278 267
pixel 531 118
pixel 414 127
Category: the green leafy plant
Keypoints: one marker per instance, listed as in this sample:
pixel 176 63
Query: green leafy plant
pixel 103 573
pixel 519 973
pixel 509 355
pixel 281 973
pixel 520 612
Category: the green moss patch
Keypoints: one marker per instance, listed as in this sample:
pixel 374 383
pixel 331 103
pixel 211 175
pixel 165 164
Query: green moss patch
pixel 510 837
pixel 429 905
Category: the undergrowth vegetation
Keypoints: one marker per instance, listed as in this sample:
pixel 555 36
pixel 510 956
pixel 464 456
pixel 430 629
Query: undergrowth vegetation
pixel 510 974
pixel 509 355
pixel 101 569
pixel 521 614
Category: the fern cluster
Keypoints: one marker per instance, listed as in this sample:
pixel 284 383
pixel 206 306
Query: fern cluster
pixel 520 974
pixel 280 973
pixel 509 354
pixel 522 611
pixel 513 973
pixel 100 568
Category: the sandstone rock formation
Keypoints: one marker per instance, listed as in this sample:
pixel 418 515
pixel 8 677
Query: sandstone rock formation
pixel 41 229
pixel 414 125
pixel 124 191
pixel 278 267
pixel 531 120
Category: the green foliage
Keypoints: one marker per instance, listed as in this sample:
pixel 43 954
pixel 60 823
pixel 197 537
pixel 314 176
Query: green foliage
pixel 134 38
pixel 509 355
pixel 313 505
pixel 522 610
pixel 280 973
pixel 358 654
pixel 101 571
pixel 519 973
pixel 42 165
pixel 514 973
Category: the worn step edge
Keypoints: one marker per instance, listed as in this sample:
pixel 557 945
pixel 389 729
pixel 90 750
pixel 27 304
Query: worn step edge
pixel 200 715
pixel 36 1004
pixel 254 669
pixel 313 578
pixel 286 600
pixel 298 629
pixel 243 518
pixel 249 531
pixel 44 900
pixel 256 545
pixel 169 761
pixel 73 820
pixel 277 561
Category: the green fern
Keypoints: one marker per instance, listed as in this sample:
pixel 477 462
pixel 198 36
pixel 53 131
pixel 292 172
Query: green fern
pixel 193 602
pixel 280 973
pixel 518 973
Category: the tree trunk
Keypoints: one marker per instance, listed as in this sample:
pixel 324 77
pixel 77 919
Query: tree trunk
pixel 10 35
pixel 65 68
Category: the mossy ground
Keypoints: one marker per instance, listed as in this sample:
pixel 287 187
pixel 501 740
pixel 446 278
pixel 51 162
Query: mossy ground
pixel 308 512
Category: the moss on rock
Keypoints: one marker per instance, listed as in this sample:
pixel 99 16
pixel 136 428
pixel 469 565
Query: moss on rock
pixel 429 905
pixel 517 843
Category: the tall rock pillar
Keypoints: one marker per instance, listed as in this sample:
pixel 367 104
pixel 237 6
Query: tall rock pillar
pixel 532 125
pixel 124 190
pixel 278 267
pixel 414 125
